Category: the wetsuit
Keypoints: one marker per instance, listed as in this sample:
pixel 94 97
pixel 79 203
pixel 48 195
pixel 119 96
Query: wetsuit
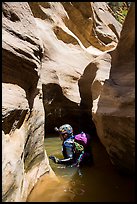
pixel 70 155
pixel 68 151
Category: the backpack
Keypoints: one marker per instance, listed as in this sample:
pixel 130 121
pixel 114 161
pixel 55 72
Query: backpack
pixel 82 146
pixel 82 139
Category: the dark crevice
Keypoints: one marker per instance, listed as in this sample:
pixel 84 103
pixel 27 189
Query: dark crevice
pixel 24 75
pixel 13 120
pixel 11 15
pixel 58 108
pixel 84 83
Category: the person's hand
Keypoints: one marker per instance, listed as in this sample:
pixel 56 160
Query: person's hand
pixel 74 165
pixel 54 159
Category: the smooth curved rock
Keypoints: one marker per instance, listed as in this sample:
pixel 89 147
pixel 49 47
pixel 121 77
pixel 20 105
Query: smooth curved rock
pixel 71 39
pixel 52 53
pixel 114 103
pixel 23 157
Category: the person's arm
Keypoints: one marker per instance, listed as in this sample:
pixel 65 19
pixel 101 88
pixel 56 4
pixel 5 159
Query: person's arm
pixel 69 153
pixel 67 161
pixel 61 161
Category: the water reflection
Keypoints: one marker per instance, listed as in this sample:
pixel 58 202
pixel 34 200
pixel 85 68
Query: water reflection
pixel 98 183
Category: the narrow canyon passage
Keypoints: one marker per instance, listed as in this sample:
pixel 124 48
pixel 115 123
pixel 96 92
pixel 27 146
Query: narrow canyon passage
pixel 99 183
pixel 73 63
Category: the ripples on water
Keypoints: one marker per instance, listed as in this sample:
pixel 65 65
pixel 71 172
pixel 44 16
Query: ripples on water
pixel 98 183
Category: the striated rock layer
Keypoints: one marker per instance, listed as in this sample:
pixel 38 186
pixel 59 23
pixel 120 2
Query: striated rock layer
pixel 23 156
pixel 114 102
pixel 73 34
pixel 56 61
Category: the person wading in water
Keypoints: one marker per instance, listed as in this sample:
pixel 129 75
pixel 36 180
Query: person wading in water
pixel 76 149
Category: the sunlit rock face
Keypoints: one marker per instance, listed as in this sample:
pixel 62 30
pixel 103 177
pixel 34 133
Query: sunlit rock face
pixel 48 49
pixel 114 102
pixel 23 156
pixel 73 35
pixel 86 23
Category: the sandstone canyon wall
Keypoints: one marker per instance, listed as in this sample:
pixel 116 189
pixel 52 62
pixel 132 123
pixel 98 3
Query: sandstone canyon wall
pixel 114 103
pixel 23 156
pixel 73 34
pixel 56 59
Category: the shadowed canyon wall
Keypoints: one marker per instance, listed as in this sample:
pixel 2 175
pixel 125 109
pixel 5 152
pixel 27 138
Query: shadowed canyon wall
pixel 71 35
pixel 58 66
pixel 114 102
pixel 23 156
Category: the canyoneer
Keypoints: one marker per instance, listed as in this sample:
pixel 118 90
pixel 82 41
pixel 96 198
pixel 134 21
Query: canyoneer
pixel 76 149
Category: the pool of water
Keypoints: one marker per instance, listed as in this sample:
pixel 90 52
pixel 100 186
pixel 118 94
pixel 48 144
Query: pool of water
pixel 99 183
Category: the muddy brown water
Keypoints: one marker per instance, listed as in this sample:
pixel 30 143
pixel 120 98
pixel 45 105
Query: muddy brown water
pixel 99 183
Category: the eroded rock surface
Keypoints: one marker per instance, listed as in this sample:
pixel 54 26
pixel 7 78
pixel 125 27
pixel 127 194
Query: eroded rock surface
pixel 114 102
pixel 73 35
pixel 53 52
pixel 23 156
